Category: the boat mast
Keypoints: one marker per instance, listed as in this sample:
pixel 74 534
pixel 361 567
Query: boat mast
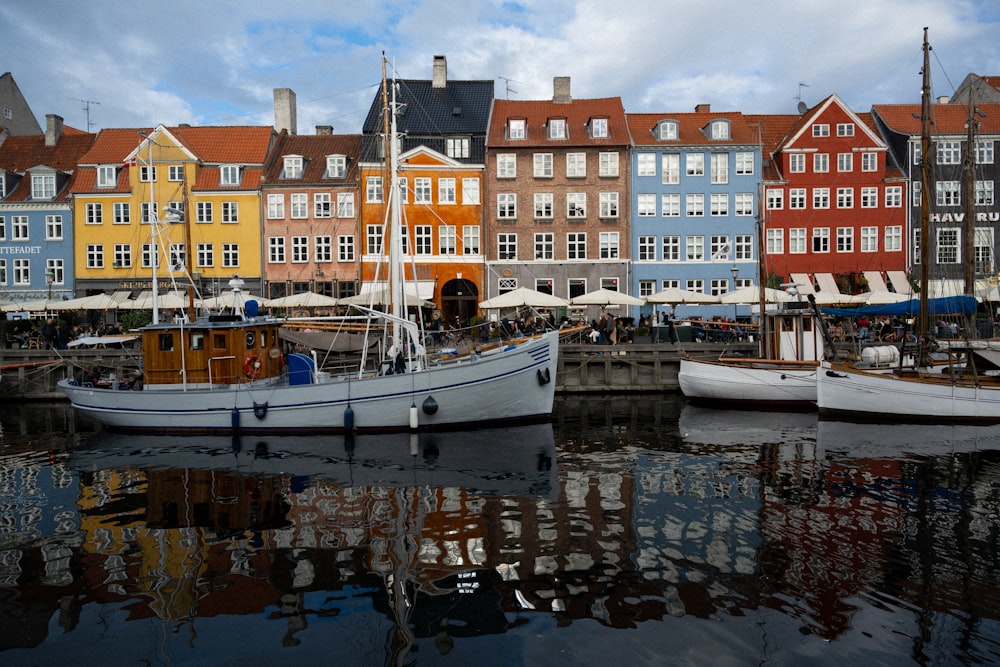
pixel 925 183
pixel 391 152
pixel 969 245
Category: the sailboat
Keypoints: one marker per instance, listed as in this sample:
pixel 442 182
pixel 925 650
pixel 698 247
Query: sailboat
pixel 226 373
pixel 964 390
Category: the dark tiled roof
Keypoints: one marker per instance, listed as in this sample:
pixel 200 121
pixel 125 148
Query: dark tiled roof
pixel 460 107
pixel 577 113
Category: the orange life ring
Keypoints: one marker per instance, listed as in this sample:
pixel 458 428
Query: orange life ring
pixel 252 366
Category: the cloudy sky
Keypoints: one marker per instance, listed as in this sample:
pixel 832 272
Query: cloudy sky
pixel 216 62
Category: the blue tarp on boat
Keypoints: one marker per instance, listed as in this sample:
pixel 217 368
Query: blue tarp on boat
pixel 945 305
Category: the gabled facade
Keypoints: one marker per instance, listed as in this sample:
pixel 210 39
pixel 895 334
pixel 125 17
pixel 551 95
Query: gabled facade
pixel 128 180
pixel 982 90
pixel 16 118
pixel 311 214
pixel 36 214
pixel 949 199
pixel 832 203
pixel 694 185
pixel 557 211
pixel 443 128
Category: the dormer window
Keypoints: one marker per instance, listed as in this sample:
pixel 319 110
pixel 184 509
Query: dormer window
pixel 336 166
pixel 3 187
pixel 229 174
pixel 599 128
pixel 515 128
pixel 668 130
pixel 457 147
pixel 557 128
pixel 106 176
pixel 293 167
pixel 43 186
pixel 720 129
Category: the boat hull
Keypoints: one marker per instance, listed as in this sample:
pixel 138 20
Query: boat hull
pixel 749 382
pixel 933 398
pixel 512 385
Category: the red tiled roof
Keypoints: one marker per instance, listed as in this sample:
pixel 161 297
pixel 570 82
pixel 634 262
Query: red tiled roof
pixel 314 148
pixel 945 118
pixel 773 130
pixel 20 153
pixel 691 128
pixel 577 113
pixel 113 145
pixel 209 177
pixel 227 145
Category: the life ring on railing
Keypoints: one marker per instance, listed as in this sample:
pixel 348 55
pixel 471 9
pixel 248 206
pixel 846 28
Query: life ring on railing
pixel 252 366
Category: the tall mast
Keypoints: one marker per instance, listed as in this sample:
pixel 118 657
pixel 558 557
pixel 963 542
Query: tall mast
pixel 925 186
pixel 394 233
pixel 969 245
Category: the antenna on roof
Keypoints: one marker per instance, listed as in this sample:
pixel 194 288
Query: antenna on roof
pixel 507 83
pixel 801 106
pixel 86 107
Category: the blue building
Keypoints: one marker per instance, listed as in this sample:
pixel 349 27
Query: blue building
pixel 694 188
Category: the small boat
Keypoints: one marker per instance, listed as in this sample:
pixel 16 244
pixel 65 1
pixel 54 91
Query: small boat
pixel 965 390
pixel 227 373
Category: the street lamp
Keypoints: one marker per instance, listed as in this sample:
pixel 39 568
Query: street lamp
pixel 50 277
pixel 735 270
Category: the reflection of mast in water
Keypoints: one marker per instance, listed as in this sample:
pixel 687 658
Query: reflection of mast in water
pixel 399 557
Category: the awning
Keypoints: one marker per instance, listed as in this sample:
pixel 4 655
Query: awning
pixel 826 283
pixel 875 281
pixel 424 288
pixel 803 283
pixel 899 281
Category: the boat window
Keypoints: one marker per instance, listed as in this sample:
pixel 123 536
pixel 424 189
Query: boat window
pixel 166 342
pixel 251 338
pixel 263 339
pixel 219 341
pixel 197 341
pixel 786 324
pixel 807 324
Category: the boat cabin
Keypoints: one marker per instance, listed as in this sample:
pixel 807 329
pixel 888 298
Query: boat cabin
pixel 793 333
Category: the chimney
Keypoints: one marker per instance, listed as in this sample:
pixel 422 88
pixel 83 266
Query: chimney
pixel 284 110
pixel 943 99
pixel 324 129
pixel 53 129
pixel 560 90
pixel 440 72
pixel 702 108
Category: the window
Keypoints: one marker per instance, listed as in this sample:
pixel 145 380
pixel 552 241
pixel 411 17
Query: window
pixel 144 174
pixel 645 164
pixel 609 245
pixel 19 228
pixel 869 161
pixel 668 130
pixel 775 199
pixel 719 203
pixel 984 193
pixel 95 257
pixel 543 205
pixel 149 212
pixel 821 130
pixel 276 250
pixel 178 256
pixel 797 240
pixel 646 287
pixel 293 167
pixel 671 247
pixel 204 209
pixel 230 212
pixel 424 239
pixel 821 197
pixel 893 196
pixel 845 239
pixel 175 173
pixel 845 129
pixel 230 255
pixel 694 205
pixel 647 249
pixel 470 191
pixel 457 147
pixel 915 187
pixel 775 241
pixel 949 152
pixel 948 193
pixel 507 246
pixel 543 165
pixel 543 285
pixel 404 239
pixel 821 239
pixel 608 204
pixel 744 164
pixel 720 129
pixel 373 189
pixel 515 128
pixel 336 166
pixel 446 239
pixel 983 250
pixel 845 162
pixel 670 206
pixel 544 246
pixel 695 285
pixel 694 164
pixel 299 205
pixel 345 204
pixel 576 245
pixel 720 168
pixel 374 239
pixel 646 205
pixel 422 190
pixel 106 176
pixel 894 238
pixel 275 207
pixel 599 128
pixel 322 205
pixel 718 247
pixel 557 128
pixel 984 151
pixel 869 197
pixel 695 248
pixel 719 286
pixel 94 214
pixel 607 165
pixel 470 239
pixel 3 228
pixel 446 191
pixel 22 271
pixel 506 165
pixel 506 206
pixel 123 256
pixel 576 205
pixel 744 247
pixel 744 204
pixel 345 248
pixel 230 174
pixel 206 254
pixel 821 163
pixel 43 186
pixel 797 163
pixel 53 228
pixel 845 197
pixel 869 239
pixel 948 245
pixel 576 165
pixel 300 249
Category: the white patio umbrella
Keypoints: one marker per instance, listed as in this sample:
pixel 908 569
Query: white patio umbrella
pixel 303 300
pixel 880 298
pixel 38 305
pixel 751 294
pixel 144 301
pixel 380 297
pixel 522 296
pixel 232 299
pixel 93 302
pixel 673 296
pixel 605 297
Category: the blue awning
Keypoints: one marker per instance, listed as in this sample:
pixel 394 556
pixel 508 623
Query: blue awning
pixel 945 305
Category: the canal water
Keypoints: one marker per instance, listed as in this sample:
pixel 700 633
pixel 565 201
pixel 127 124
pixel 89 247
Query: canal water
pixel 635 529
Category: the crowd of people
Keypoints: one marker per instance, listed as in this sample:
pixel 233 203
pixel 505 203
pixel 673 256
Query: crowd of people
pixel 53 335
